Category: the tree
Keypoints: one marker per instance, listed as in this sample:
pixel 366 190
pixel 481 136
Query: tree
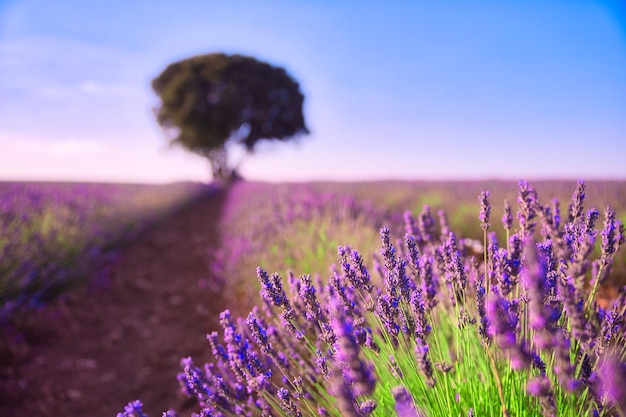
pixel 209 102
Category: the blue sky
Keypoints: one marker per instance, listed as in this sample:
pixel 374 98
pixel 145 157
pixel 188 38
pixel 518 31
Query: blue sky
pixel 394 90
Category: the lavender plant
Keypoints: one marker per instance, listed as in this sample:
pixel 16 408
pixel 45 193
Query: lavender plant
pixel 434 332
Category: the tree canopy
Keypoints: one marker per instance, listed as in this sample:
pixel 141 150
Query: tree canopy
pixel 211 101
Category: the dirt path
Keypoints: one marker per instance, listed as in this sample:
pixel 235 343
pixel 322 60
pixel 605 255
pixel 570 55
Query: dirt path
pixel 98 350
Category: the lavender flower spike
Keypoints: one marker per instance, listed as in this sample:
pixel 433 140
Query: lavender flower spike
pixel 576 206
pixel 485 209
pixel 507 217
pixel 133 409
pixel 359 372
pixel 527 200
pixel 540 388
pixel 612 374
pixel 287 403
pixel 404 403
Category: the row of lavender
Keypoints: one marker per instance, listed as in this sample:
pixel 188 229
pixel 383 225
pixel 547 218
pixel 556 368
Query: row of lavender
pixel 55 234
pixel 435 331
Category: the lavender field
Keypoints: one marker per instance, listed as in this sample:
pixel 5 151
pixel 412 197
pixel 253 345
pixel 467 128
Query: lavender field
pixel 337 299
pixel 416 317
pixel 56 235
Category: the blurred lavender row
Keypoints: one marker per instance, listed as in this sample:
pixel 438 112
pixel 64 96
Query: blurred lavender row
pixel 53 235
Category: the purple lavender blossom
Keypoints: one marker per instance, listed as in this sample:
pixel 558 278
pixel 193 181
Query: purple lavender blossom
pixel 507 217
pixel 405 407
pixel 133 409
pixel 423 362
pixel 411 227
pixel 500 271
pixel 395 369
pixel 336 287
pixel 367 407
pixel 535 282
pixel 479 286
pixel 556 213
pixel 387 251
pixel 426 225
pixel 412 254
pixel 428 281
pixel 527 200
pixel 388 311
pixel 609 244
pixel 313 311
pixel 502 329
pixel 287 403
pixel 609 325
pixel 456 277
pixel 272 289
pixel 362 274
pixel 515 255
pixel 444 226
pixel 540 388
pixel 612 373
pixel 418 308
pixel 485 210
pixel 563 368
pixel 196 383
pixel 359 372
pixel 574 307
pixel 340 388
pixel 576 206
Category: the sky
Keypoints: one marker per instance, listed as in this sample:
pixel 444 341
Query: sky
pixel 518 89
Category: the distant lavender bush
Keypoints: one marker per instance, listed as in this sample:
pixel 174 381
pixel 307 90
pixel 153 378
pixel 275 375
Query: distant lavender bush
pixel 51 235
pixel 434 331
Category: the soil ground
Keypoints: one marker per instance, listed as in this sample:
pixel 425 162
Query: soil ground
pixel 122 340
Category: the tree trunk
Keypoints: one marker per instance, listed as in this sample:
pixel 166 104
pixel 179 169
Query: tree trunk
pixel 219 166
pixel 218 159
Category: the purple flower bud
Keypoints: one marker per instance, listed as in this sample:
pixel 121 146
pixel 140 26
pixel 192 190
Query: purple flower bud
pixel 507 217
pixel 576 206
pixel 340 388
pixel 359 372
pixel 527 200
pixel 485 210
pixel 612 373
pixel 307 294
pixel 609 242
pixel 480 303
pixel 429 285
pixel 133 409
pixel 426 225
pixel 540 388
pixel 367 407
pixel 287 403
pixel 389 314
pixel 424 363
pixel 417 304
pixel 363 276
pixel 272 289
pixel 405 406
pixel 444 226
pixel 501 327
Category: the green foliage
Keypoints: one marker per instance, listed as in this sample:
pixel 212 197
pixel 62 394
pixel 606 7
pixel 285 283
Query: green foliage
pixel 210 101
